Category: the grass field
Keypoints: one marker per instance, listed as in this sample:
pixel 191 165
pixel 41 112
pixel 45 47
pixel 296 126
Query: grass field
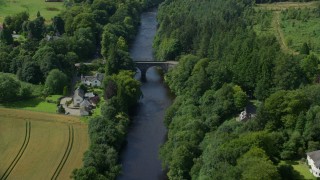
pixel 279 6
pixel 47 9
pixel 301 170
pixel 37 145
pixel 35 104
pixel 38 103
pixel 291 34
pixel 298 32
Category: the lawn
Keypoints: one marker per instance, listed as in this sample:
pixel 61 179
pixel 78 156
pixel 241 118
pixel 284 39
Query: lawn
pixel 46 9
pixel 301 170
pixel 53 98
pixel 35 104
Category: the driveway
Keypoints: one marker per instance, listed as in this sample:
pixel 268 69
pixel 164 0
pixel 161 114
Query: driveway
pixel 71 111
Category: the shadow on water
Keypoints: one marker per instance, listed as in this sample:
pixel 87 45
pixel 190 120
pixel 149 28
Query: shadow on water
pixel 140 156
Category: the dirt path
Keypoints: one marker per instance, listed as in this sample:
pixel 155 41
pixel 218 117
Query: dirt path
pixel 279 34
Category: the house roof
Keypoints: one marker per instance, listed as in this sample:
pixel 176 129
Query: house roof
pixel 79 92
pixel 89 95
pixel 15 36
pixel 97 76
pixel 85 103
pixel 88 78
pixel 49 37
pixel 315 156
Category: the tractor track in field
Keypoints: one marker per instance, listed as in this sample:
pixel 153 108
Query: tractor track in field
pixel 66 153
pixel 20 153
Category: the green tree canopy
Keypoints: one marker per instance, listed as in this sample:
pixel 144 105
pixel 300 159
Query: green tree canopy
pixel 55 82
pixel 9 88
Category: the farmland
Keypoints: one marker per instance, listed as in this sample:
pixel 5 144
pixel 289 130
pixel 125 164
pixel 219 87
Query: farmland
pixel 47 9
pixel 37 145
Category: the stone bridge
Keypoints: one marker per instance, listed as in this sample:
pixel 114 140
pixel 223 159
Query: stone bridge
pixel 143 66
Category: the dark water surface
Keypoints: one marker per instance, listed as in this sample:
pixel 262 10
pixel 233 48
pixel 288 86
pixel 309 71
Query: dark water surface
pixel 140 158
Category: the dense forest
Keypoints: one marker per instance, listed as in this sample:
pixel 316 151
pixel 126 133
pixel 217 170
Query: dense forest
pixel 224 65
pixel 84 31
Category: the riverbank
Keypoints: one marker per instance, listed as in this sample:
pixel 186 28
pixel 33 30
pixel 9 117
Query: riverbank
pixel 140 157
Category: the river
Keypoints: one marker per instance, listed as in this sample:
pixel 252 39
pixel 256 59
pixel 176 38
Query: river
pixel 140 157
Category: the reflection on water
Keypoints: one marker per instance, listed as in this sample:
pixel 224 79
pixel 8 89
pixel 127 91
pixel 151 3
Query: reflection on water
pixel 140 157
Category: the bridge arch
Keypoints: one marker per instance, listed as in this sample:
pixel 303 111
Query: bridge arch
pixel 143 66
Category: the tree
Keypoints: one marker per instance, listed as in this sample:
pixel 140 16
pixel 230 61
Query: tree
pixel 240 97
pixel 30 72
pixel 118 58
pixel 286 171
pixel 87 173
pixel 105 5
pixel 310 66
pixel 287 73
pixel 65 91
pixel 84 43
pixel 14 23
pixel 255 164
pixel 58 24
pixel 46 59
pixel 4 62
pixel 169 49
pixel 35 28
pixel 84 20
pixel 177 78
pixel 128 89
pixel 55 82
pixel 9 88
pixel 305 49
pixel 6 35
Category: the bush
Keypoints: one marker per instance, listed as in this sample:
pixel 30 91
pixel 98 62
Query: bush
pixel 9 88
pixel 25 91
pixel 61 109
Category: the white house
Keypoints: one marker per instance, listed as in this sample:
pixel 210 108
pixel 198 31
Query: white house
pixel 85 103
pixel 51 38
pixel 85 108
pixel 78 97
pixel 95 80
pixel 314 162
